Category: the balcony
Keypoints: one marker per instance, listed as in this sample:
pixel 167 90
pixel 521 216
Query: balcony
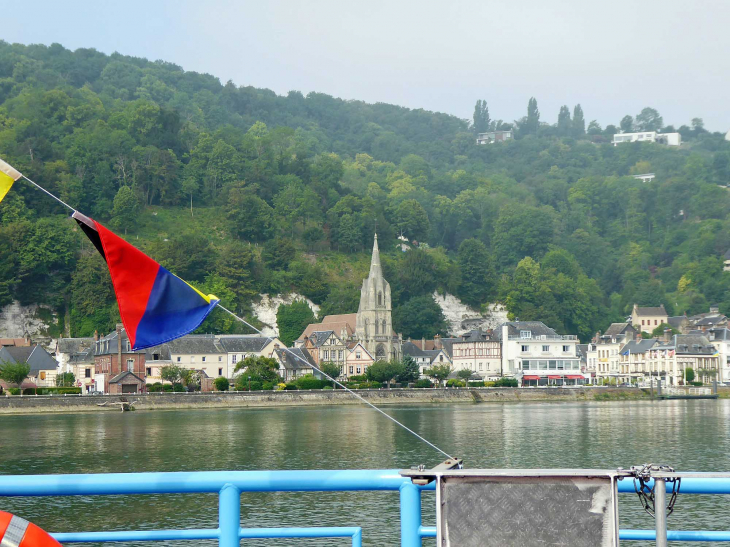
pixel 552 337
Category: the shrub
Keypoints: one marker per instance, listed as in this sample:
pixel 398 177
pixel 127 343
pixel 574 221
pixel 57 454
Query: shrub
pixel 358 379
pixel 698 384
pixel 310 382
pixel 221 384
pixel 454 383
pixel 178 388
pixel 506 382
pixel 327 387
pixel 291 386
pixel 168 388
pixel 476 384
pixel 14 391
pixel 423 383
pixel 489 384
pixel 267 386
pixel 154 388
pixel 280 386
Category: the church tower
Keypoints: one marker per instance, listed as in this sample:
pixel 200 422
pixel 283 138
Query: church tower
pixel 374 315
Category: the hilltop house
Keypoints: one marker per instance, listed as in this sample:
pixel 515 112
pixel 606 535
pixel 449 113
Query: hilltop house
pixel 646 319
pixel 669 139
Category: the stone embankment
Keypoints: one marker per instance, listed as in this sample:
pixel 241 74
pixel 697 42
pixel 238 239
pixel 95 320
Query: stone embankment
pixel 161 401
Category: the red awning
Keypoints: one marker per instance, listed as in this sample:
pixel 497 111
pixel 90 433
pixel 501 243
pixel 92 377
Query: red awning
pixel 575 377
pixel 530 377
pixel 553 377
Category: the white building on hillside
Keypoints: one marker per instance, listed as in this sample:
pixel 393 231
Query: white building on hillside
pixel 670 139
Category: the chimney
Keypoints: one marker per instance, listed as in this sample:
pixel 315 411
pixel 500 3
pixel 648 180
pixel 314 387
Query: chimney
pixel 96 336
pixel 638 336
pixel 423 344
pixel 119 346
pixel 667 335
pixel 437 342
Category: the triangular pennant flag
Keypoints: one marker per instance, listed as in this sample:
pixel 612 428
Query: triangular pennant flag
pixel 156 306
pixel 8 175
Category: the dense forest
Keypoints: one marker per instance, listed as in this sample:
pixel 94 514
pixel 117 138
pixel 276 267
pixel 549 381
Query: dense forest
pixel 242 191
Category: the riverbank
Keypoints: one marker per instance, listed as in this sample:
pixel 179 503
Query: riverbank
pixel 162 401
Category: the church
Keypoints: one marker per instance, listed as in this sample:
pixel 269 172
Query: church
pixel 371 326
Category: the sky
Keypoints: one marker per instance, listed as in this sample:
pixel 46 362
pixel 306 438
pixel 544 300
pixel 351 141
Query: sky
pixel 614 58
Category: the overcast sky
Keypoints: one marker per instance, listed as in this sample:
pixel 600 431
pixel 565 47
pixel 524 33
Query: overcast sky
pixel 614 58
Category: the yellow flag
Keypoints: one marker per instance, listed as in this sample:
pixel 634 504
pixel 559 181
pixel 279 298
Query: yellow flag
pixel 8 175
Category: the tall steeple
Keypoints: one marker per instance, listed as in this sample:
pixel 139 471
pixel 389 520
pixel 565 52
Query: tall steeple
pixel 375 270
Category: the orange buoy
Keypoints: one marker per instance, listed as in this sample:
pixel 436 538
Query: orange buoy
pixel 18 532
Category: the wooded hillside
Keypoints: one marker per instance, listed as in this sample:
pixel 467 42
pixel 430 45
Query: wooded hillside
pixel 241 191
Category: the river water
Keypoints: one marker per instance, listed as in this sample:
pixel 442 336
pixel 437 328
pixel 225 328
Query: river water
pixel 689 435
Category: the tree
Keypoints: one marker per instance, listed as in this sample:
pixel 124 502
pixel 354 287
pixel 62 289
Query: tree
pixel 124 214
pixel 481 117
pixel 438 372
pixel 411 219
pixel 171 373
pixel 292 319
pixel 649 120
pixel 221 384
pixel 256 369
pixel 410 371
pixel 464 374
pixel 65 379
pixel 14 373
pixel 564 126
pixel 578 127
pixel 594 128
pixel 384 371
pixel 419 317
pixel 330 369
pixel 477 274
pixel 532 122
pixel 658 332
pixel 627 124
pixel 251 217
pixel 689 375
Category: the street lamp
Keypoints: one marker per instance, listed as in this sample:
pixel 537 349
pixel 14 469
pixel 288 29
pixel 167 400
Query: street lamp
pixel 249 383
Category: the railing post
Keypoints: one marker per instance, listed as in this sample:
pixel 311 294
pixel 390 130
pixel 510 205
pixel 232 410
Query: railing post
pixel 660 512
pixel 410 515
pixel 229 516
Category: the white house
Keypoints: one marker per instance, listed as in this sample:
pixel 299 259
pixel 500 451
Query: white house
pixel 494 136
pixel 479 352
pixel 538 356
pixel 670 139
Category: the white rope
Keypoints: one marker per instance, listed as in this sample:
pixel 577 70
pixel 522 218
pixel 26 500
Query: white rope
pixel 429 443
pixel 47 192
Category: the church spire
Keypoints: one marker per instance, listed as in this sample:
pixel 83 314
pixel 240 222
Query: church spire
pixel 375 270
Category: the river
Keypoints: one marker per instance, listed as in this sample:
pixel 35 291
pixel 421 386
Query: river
pixel 689 435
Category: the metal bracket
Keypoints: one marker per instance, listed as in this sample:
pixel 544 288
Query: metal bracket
pixel 423 480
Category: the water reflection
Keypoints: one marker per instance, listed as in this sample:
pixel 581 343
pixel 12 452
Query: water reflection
pixel 690 435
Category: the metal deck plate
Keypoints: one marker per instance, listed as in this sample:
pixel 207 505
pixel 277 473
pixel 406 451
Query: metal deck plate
pixel 525 511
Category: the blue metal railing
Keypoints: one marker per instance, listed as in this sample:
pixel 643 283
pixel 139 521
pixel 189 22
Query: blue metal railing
pixel 230 484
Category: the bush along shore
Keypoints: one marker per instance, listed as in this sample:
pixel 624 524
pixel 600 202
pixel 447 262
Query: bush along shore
pixel 232 399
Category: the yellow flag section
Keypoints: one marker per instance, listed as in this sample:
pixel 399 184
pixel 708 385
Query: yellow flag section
pixel 8 175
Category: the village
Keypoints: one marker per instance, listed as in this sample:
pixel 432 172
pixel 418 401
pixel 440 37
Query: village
pixel 649 346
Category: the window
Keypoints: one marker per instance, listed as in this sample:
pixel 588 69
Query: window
pixel 340 355
pixel 546 348
pixel 380 298
pixel 155 356
pixel 326 354
pixel 178 359
pixel 525 349
pixel 566 349
pixel 87 373
pixel 203 359
pixel 351 369
pixel 642 321
pixel 220 372
pixel 220 358
pixel 525 334
pixel 441 357
pixel 358 370
pixel 357 355
pixel 376 326
pixel 192 358
pixel 149 371
pixel 130 365
pixel 233 359
pixel 43 375
pixel 655 322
